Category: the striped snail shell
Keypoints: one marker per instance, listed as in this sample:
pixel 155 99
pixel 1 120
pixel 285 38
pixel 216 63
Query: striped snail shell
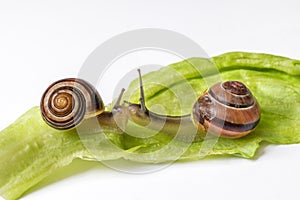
pixel 67 102
pixel 228 109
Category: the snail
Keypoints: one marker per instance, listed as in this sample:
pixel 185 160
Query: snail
pixel 228 109
pixel 67 102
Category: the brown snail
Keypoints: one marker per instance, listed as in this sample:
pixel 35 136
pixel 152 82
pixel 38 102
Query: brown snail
pixel 68 101
pixel 228 109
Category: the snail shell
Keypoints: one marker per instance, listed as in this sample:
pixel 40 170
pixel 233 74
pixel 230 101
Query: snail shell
pixel 228 109
pixel 67 102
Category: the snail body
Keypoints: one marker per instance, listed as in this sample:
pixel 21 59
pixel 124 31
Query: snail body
pixel 180 127
pixel 228 109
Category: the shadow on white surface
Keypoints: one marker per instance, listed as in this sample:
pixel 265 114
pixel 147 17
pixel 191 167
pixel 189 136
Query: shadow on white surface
pixel 77 167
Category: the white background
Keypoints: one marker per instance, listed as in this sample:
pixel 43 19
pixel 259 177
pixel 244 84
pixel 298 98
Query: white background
pixel 42 41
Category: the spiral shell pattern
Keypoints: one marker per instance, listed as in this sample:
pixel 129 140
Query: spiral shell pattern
pixel 228 109
pixel 67 102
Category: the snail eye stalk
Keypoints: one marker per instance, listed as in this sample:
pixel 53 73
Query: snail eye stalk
pixel 118 102
pixel 142 95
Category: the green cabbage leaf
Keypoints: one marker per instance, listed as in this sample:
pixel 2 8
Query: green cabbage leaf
pixel 31 150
